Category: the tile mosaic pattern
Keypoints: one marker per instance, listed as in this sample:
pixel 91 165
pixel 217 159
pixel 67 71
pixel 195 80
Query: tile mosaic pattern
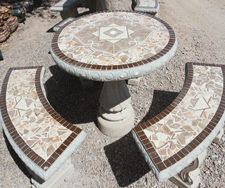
pixel 188 120
pixel 113 40
pixel 35 127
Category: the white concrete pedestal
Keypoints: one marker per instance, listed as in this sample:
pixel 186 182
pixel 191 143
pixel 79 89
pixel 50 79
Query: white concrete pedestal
pixel 115 115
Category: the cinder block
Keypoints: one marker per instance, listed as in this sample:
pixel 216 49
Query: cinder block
pixel 134 81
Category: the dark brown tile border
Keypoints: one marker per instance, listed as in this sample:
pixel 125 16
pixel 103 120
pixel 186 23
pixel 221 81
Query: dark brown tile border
pixel 161 165
pixel 17 138
pixel 167 48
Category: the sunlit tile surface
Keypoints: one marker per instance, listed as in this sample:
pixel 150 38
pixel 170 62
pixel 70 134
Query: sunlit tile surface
pixel 113 38
pixel 34 124
pixel 191 116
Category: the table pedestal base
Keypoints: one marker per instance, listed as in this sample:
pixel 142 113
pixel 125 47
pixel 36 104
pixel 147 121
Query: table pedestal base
pixel 115 114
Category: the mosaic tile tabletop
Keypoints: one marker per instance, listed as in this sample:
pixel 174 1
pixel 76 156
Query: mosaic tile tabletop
pixel 174 130
pixel 36 128
pixel 113 39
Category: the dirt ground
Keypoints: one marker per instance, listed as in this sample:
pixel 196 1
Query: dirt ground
pixel 108 162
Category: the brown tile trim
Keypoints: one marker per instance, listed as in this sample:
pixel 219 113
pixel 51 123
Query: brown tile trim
pixel 14 134
pixel 173 104
pixel 161 165
pixel 62 56
pixel 75 130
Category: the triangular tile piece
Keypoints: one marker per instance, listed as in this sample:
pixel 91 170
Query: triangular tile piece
pixel 201 104
pixel 22 105
pixel 113 25
pixel 61 132
pixel 130 31
pixel 31 142
pixel 28 101
pixel 193 101
pixel 50 150
pixel 96 33
pixel 113 41
pixel 47 139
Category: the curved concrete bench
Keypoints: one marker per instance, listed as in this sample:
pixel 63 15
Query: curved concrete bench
pixel 68 8
pixel 40 136
pixel 177 136
pixel 148 6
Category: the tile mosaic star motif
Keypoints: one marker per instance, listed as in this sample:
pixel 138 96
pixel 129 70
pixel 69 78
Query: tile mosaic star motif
pixel 113 33
pixel 34 124
pixel 172 133
pixel 113 38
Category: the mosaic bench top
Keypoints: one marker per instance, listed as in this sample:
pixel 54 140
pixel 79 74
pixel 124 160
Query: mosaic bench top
pixel 64 5
pixel 111 46
pixel 150 6
pixel 40 136
pixel 174 138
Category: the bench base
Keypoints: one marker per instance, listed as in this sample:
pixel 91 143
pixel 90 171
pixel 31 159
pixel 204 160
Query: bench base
pixel 193 175
pixel 69 13
pixel 56 180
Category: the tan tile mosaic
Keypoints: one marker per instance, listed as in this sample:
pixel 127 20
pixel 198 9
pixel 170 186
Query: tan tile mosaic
pixel 190 117
pixel 113 38
pixel 188 121
pixel 42 133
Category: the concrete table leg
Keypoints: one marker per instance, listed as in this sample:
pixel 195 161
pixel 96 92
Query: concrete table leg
pixel 115 114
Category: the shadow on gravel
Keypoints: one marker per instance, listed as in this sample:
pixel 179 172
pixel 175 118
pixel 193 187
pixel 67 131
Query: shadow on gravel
pixel 50 30
pixel 160 101
pixel 125 159
pixel 16 158
pixel 69 99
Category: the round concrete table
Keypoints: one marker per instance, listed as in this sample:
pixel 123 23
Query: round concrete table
pixel 113 47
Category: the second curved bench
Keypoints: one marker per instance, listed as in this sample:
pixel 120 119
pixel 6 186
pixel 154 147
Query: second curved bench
pixel 38 134
pixel 177 136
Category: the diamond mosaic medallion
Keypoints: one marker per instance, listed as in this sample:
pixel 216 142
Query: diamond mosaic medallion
pixel 113 33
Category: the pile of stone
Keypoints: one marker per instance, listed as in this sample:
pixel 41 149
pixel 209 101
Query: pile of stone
pixel 11 15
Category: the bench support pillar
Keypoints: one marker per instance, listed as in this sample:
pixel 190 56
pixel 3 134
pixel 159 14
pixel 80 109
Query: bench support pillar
pixel 189 176
pixel 56 180
pixel 69 13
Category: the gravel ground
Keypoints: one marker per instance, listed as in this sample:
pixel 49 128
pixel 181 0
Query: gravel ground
pixel 102 161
